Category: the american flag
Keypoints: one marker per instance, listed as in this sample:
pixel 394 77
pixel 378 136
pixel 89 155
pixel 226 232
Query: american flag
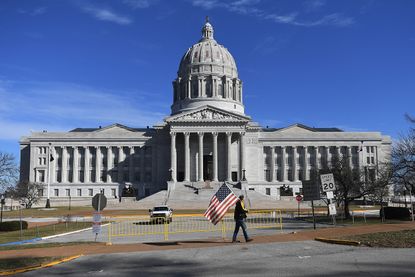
pixel 220 203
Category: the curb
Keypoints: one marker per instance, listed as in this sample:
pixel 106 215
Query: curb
pixel 339 241
pixel 30 268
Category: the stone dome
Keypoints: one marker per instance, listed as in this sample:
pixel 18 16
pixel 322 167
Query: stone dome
pixel 207 75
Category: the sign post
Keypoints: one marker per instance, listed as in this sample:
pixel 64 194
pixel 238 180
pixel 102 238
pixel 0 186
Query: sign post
pixel 299 198
pixel 311 192
pixel 328 186
pixel 99 202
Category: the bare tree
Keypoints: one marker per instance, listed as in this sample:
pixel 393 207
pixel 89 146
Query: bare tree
pixel 8 171
pixel 350 183
pixel 379 187
pixel 403 159
pixel 27 192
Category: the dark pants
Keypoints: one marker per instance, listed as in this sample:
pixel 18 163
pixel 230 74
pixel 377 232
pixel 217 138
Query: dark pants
pixel 240 223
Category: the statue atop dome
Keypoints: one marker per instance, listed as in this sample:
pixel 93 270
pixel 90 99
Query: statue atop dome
pixel 207 30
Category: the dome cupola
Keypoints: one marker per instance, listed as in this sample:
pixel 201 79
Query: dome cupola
pixel 207 75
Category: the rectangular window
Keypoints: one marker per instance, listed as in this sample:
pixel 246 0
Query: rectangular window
pixel 41 176
pixel 113 193
pixel 40 192
pixel 268 191
pixel 68 192
pixel 373 160
pixel 367 149
pixel 372 149
pixel 368 160
pixel 56 192
pixel 79 192
pixel 90 192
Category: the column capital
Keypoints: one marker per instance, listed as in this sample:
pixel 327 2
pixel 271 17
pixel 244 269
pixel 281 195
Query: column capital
pixel 242 133
pixel 173 133
pixel 186 134
pixel 228 134
pixel 215 134
pixel 200 134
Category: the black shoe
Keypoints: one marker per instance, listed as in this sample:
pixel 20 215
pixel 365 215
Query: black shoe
pixel 235 241
pixel 248 240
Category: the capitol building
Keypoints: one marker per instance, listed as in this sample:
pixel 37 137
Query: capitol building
pixel 207 138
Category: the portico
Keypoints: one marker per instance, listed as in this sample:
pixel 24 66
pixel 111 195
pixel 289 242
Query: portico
pixel 207 145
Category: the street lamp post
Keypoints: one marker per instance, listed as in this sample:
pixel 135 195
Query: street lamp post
pixel 3 201
pixel 50 159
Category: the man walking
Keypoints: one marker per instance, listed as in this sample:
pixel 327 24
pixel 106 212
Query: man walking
pixel 239 216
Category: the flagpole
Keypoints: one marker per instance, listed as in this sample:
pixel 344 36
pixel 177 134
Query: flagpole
pixel 48 188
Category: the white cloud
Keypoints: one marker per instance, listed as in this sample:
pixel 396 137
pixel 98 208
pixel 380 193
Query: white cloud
pixel 106 14
pixel 63 106
pixel 247 7
pixel 33 12
pixel 138 4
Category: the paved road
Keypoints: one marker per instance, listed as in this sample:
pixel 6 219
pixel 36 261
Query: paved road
pixel 307 258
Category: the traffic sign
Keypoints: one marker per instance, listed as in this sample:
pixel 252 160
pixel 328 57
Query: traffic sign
pixel 330 195
pixel 327 182
pixel 99 202
pixel 311 190
pixel 299 198
pixel 96 223
pixel 332 209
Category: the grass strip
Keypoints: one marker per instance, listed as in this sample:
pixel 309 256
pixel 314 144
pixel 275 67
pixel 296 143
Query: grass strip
pixel 42 231
pixel 20 262
pixel 398 239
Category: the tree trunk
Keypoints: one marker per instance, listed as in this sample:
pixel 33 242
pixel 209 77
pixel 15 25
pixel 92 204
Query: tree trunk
pixel 346 209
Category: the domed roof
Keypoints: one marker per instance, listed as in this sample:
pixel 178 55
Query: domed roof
pixel 207 75
pixel 208 56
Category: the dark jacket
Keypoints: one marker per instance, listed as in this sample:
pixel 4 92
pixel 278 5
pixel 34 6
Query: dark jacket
pixel 240 212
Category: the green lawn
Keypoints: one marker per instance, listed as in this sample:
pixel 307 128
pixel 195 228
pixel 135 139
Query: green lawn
pixel 14 263
pixel 42 231
pixel 401 239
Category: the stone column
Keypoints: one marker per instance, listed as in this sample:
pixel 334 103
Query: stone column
pixel 242 155
pixel 317 157
pixel 186 157
pixel 283 166
pixel 272 164
pixel 52 167
pixel 328 155
pixel 142 164
pixel 306 175
pixel 189 86
pixel 173 156
pixel 120 165
pixel 215 156
pixel 75 168
pixel 228 149
pixel 109 164
pixel 64 165
pixel 349 156
pixel 294 169
pixel 87 175
pixel 338 153
pixel 200 156
pixel 97 164
pixel 131 164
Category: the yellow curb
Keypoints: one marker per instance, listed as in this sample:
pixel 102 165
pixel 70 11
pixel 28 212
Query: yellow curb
pixel 29 268
pixel 339 241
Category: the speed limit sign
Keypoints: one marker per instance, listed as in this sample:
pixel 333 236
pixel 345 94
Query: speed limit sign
pixel 327 182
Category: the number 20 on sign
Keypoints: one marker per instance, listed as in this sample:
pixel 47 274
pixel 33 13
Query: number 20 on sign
pixel 327 182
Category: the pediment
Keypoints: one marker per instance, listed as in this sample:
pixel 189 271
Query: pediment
pixel 115 129
pixel 296 129
pixel 207 113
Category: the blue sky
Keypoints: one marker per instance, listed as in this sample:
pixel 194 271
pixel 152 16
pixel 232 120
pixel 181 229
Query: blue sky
pixel 67 64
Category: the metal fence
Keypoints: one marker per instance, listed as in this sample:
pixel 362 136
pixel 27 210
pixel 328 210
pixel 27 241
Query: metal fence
pixel 142 226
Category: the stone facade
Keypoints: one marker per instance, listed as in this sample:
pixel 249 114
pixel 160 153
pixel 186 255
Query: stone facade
pixel 206 137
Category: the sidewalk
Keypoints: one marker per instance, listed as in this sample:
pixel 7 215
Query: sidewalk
pixel 334 232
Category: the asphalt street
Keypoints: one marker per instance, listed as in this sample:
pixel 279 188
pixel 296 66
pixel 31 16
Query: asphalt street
pixel 306 258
